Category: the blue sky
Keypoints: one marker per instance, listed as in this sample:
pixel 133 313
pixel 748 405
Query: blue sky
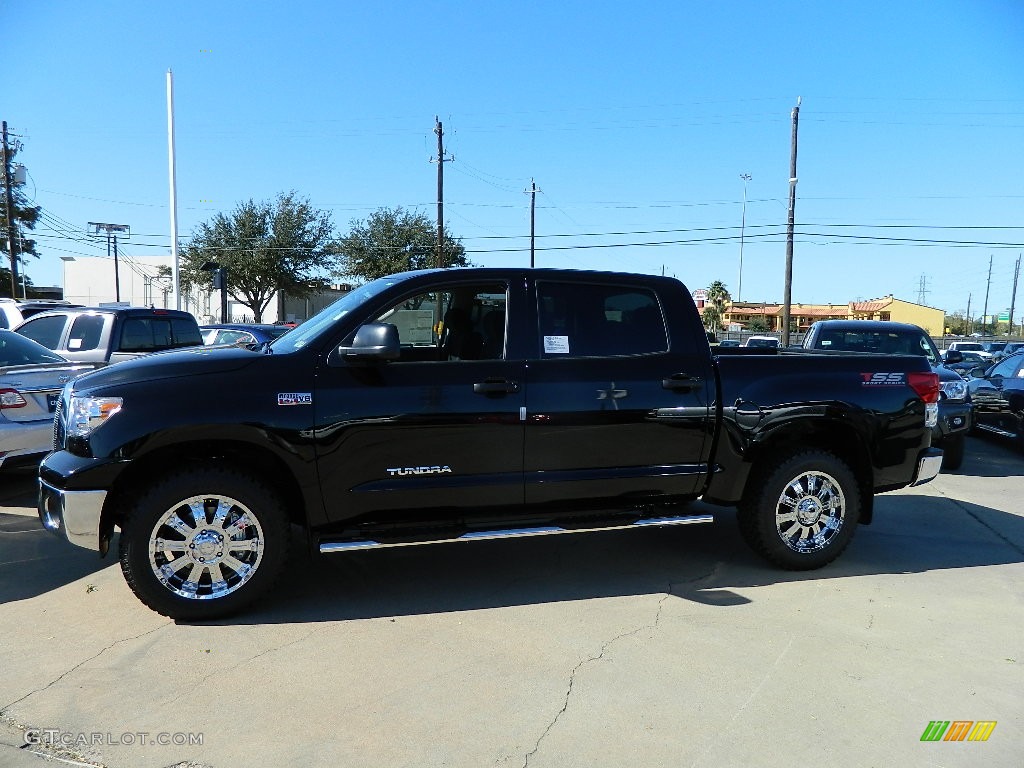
pixel 632 118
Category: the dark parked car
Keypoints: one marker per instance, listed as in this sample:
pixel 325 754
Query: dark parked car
pixel 1010 349
pixel 997 393
pixel 885 337
pixel 242 334
pixel 967 362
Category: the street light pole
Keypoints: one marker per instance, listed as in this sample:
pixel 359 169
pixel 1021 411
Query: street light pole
pixel 743 226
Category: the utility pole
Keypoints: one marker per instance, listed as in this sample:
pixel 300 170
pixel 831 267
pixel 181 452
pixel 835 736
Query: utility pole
pixel 441 160
pixel 922 289
pixel 743 227
pixel 1013 296
pixel 9 211
pixel 984 312
pixel 532 192
pixel 111 231
pixel 969 322
pixel 788 291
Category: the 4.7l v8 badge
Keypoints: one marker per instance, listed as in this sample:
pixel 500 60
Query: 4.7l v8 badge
pixel 294 398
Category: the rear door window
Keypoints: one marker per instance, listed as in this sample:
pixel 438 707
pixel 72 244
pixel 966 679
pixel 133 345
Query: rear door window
pixel 599 320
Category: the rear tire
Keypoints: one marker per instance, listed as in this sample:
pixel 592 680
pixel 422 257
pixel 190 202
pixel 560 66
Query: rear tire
pixel 204 542
pixel 800 513
pixel 952 453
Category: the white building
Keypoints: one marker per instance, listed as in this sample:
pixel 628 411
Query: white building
pixel 91 281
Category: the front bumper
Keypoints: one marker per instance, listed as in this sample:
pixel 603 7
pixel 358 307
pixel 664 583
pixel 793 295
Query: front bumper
pixel 954 420
pixel 929 462
pixel 75 515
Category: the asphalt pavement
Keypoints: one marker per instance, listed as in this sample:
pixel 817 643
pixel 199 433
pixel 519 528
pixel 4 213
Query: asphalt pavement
pixel 671 647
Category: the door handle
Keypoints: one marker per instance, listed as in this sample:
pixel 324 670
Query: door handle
pixel 682 382
pixel 495 387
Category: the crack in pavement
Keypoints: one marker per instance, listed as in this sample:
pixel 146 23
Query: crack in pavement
pixel 222 671
pixel 604 649
pixel 1012 544
pixel 6 707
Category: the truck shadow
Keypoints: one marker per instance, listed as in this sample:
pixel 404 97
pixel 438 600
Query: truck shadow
pixel 709 564
pixel 991 455
pixel 34 561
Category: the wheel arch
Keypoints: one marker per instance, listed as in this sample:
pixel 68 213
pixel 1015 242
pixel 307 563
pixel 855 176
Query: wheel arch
pixel 836 437
pixel 260 461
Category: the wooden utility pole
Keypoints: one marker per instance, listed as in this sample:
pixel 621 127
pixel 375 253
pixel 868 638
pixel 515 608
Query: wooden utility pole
pixel 111 230
pixel 984 312
pixel 788 291
pixel 532 192
pixel 969 323
pixel 9 211
pixel 1013 296
pixel 439 130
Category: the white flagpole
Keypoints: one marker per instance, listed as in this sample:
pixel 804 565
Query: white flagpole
pixel 174 189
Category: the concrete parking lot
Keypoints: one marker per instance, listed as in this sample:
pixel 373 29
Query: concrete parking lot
pixel 674 647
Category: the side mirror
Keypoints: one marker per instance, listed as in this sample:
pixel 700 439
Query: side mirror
pixel 979 372
pixel 954 356
pixel 372 343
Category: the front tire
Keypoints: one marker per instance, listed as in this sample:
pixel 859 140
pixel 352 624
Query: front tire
pixel 204 542
pixel 800 513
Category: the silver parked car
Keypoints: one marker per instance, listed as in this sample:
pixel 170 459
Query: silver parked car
pixel 31 380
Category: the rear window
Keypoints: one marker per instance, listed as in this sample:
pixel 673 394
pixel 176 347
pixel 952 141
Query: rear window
pixel 17 350
pixel 880 342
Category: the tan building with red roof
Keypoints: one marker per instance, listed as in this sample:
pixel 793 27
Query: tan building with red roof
pixel 738 315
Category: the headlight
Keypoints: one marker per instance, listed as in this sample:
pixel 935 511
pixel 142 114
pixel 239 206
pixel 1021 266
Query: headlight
pixel 954 390
pixel 87 413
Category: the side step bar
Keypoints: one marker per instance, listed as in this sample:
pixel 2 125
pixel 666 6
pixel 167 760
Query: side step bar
pixel 516 533
pixel 995 430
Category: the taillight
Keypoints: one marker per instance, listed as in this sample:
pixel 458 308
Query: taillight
pixel 11 398
pixel 926 385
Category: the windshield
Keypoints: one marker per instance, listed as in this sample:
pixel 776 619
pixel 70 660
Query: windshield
pixel 310 330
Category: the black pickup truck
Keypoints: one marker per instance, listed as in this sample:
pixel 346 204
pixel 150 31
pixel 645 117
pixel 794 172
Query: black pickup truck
pixel 473 404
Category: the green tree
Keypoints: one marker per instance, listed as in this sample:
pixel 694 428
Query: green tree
pixel 758 325
pixel 283 245
pixel 714 307
pixel 394 240
pixel 25 216
pixel 5 284
pixel 957 323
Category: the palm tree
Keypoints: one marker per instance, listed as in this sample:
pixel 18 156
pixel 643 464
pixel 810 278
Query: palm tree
pixel 714 307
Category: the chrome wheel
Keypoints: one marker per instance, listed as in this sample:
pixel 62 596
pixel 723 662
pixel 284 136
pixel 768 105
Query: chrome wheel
pixel 810 512
pixel 206 547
